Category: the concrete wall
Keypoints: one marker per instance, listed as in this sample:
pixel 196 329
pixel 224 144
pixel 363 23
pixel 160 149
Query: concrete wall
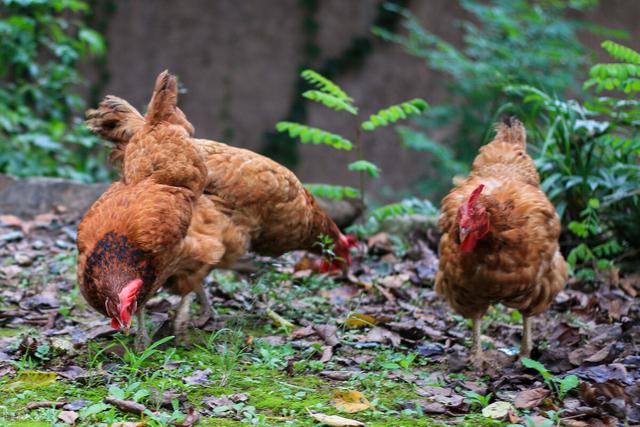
pixel 238 60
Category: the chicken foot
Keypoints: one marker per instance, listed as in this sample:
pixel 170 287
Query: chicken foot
pixel 206 310
pixel 526 345
pixel 182 318
pixel 142 340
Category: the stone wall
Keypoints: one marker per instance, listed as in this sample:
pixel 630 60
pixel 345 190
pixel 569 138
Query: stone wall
pixel 238 60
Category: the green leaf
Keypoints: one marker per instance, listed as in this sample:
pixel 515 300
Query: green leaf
pixel 567 384
pixel 308 134
pixel 116 392
pixel 534 364
pixel 325 85
pixel 330 101
pixel 621 52
pixel 335 192
pixel 394 113
pixel 365 166
pixel 93 39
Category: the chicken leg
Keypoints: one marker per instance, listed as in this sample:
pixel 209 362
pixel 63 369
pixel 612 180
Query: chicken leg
pixel 206 310
pixel 476 343
pixel 142 339
pixel 182 318
pixel 526 345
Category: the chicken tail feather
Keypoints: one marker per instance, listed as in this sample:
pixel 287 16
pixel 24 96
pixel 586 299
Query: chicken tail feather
pixel 164 103
pixel 512 131
pixel 116 121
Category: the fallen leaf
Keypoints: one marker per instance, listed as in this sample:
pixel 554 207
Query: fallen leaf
pixel 337 375
pixel 340 295
pixel 335 420
pixel 69 417
pixel 199 377
pixel 383 335
pixel 426 406
pixel 528 399
pixel 328 334
pixel 497 410
pixel 126 405
pixel 191 418
pixel 358 320
pixel 350 401
pixel 45 404
pixel 327 353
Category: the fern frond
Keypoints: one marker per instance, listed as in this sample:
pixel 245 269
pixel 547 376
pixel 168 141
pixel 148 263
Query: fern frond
pixel 621 53
pixel 330 101
pixel 394 113
pixel 335 192
pixel 405 207
pixel 325 85
pixel 308 134
pixel 365 166
pixel 616 71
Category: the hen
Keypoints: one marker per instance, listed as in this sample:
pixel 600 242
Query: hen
pixel 500 237
pixel 153 227
pixel 261 197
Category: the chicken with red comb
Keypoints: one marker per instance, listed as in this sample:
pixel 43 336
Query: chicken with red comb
pixel 500 238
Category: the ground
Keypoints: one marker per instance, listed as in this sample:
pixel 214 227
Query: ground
pixel 376 345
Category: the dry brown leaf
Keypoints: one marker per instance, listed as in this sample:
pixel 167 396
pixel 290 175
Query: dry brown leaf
pixel 328 334
pixel 359 320
pixel 528 399
pixel 350 401
pixel 126 405
pixel 69 417
pixel 383 335
pixel 335 420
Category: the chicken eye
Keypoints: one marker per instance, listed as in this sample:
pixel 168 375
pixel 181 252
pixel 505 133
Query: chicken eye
pixel 110 308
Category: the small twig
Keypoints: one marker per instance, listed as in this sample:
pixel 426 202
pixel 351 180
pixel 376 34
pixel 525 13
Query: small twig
pixel 279 320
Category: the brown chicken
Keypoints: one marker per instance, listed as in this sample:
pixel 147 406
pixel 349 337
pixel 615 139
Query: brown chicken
pixel 264 200
pixel 154 227
pixel 500 237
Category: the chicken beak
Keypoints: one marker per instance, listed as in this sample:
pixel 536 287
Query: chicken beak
pixel 464 232
pixel 125 329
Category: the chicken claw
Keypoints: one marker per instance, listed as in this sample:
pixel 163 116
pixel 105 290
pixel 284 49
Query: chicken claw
pixel 206 310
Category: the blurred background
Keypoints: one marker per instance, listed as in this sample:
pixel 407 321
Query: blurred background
pixel 239 65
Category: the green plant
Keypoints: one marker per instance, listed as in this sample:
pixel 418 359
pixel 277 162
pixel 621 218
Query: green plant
pixel 225 348
pixel 41 46
pixel 136 361
pixel 592 258
pixel 506 42
pixel 558 386
pixel 382 214
pixel 332 96
pixel 477 400
pixel 588 156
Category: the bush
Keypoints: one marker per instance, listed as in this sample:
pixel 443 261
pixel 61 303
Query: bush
pixel 41 45
pixel 588 154
pixel 507 42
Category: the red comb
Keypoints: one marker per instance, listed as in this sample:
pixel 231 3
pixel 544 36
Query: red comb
pixel 473 198
pixel 128 293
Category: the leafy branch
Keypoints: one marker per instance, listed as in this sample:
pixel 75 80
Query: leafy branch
pixel 334 97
